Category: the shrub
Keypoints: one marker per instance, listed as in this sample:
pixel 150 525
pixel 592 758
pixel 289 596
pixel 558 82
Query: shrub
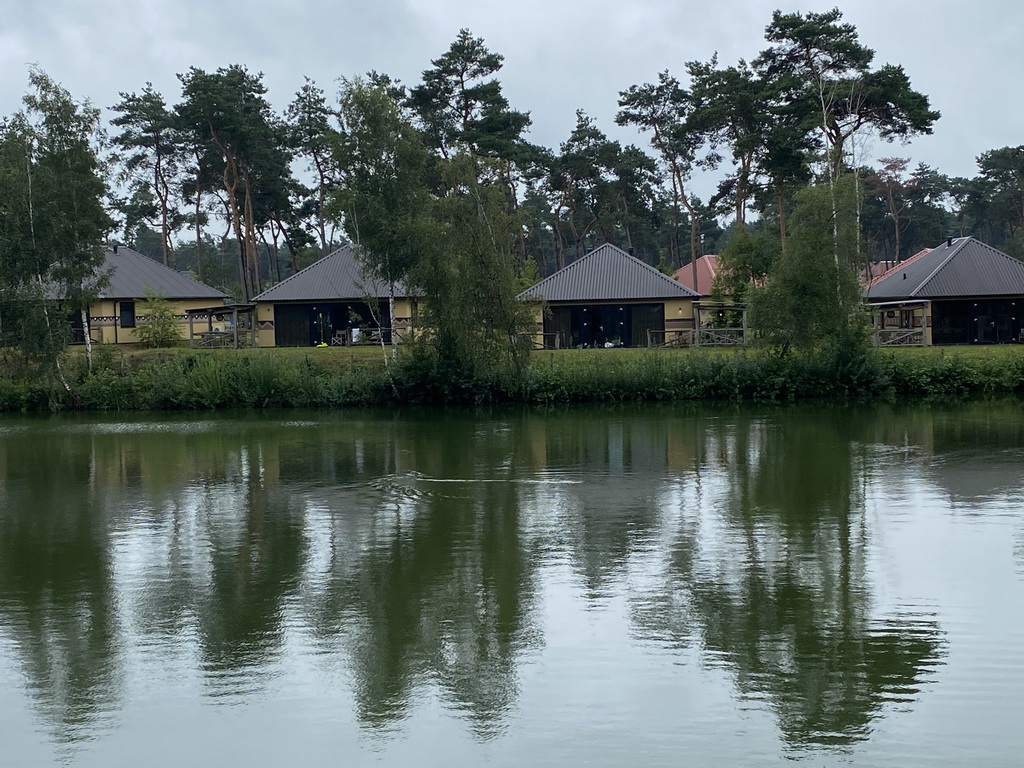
pixel 160 328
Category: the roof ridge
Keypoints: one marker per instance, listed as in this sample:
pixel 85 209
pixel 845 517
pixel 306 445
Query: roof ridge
pixel 656 271
pixel 296 274
pixel 1012 259
pixel 572 264
pixel 941 266
pixel 615 265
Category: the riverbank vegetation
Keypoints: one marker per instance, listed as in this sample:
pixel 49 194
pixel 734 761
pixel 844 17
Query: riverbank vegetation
pixel 190 380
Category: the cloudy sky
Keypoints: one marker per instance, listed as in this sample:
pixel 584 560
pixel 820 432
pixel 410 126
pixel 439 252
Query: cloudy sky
pixel 560 55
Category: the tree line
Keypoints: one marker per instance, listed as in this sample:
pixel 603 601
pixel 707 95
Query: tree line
pixel 440 186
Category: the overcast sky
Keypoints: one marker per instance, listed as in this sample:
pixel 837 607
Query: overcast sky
pixel 560 55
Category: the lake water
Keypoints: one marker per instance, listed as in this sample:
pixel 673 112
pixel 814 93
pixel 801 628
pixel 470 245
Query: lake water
pixel 655 586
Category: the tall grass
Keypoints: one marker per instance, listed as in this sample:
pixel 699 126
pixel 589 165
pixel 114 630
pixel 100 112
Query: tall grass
pixel 262 379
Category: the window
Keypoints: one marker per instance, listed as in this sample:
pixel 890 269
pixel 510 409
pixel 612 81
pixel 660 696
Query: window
pixel 127 314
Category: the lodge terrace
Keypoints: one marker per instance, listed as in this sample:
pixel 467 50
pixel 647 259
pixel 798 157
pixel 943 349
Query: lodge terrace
pixel 962 292
pixel 331 302
pixel 131 278
pixel 608 298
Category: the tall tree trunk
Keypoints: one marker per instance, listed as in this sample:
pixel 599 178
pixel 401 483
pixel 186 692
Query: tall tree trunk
pixel 559 240
pixel 88 338
pixel 742 192
pixel 673 244
pixel 782 218
pixel 251 247
pixel 49 333
pixel 694 231
pixel 199 228
pixel 163 196
pixel 391 320
pixel 235 218
pixel 321 219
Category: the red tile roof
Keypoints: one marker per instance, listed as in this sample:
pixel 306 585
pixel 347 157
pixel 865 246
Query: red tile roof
pixel 895 267
pixel 707 268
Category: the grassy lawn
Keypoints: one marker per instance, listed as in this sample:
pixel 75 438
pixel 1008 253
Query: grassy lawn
pixel 994 351
pixel 569 358
pixel 983 352
pixel 335 355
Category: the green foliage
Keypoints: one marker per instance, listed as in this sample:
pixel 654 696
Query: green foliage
pixel 158 326
pixel 812 296
pixel 823 66
pixel 746 260
pixel 460 103
pixel 385 202
pixel 313 136
pixel 1001 193
pixel 667 111
pixel 242 146
pixel 154 151
pixel 476 322
pixel 440 225
pixel 52 219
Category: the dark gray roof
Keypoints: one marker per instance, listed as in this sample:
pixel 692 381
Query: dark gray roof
pixel 607 273
pixel 337 276
pixel 961 268
pixel 130 275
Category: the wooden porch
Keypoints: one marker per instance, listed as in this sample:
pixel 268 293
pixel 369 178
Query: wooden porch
pixel 229 326
pixel 717 325
pixel 900 324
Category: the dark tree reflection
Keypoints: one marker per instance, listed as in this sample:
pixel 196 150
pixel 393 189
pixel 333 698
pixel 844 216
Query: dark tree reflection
pixel 255 567
pixel 56 586
pixel 440 592
pixel 780 594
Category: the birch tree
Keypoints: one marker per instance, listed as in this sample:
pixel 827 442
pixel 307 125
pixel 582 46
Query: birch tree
pixel 52 221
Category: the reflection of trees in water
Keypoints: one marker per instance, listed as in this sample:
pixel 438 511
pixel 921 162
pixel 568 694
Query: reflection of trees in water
pixel 973 453
pixel 226 559
pixel 253 572
pixel 749 535
pixel 442 590
pixel 56 586
pixel 614 515
pixel 780 594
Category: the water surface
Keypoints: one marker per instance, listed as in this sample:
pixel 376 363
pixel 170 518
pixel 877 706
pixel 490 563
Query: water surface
pixel 591 586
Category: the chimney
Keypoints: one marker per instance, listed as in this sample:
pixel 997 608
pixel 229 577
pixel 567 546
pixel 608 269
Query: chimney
pixel 949 242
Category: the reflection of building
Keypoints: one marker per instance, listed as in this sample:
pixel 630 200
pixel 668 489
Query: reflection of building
pixel 332 301
pixel 962 292
pixel 981 475
pixel 609 299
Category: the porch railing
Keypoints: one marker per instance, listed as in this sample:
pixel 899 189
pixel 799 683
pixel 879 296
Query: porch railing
pixel 721 337
pixel 702 337
pixel 657 337
pixel 78 335
pixel 900 337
